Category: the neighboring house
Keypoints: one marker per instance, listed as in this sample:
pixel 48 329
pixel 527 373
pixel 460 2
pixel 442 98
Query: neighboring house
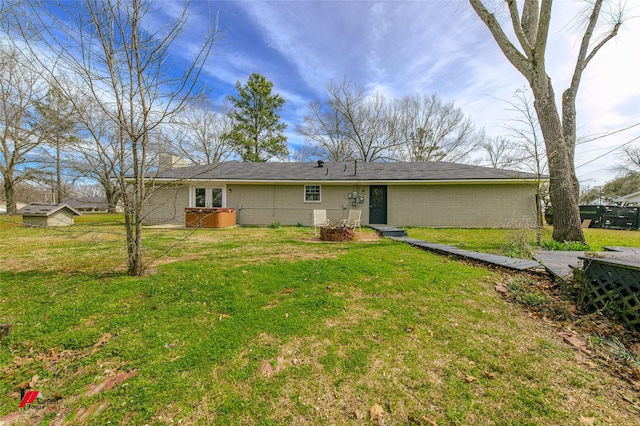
pixel 88 204
pixel 3 207
pixel 428 194
pixel 47 215
pixel 633 198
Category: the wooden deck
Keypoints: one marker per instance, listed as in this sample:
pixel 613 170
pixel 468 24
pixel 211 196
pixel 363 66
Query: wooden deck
pixel 561 264
pixel 493 259
pixel 389 231
pixel 626 250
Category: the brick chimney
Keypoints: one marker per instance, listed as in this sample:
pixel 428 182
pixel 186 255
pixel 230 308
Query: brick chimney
pixel 170 161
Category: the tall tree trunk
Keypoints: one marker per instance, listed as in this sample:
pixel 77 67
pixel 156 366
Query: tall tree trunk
pixel 562 188
pixel 112 198
pixel 59 190
pixel 132 258
pixel 10 196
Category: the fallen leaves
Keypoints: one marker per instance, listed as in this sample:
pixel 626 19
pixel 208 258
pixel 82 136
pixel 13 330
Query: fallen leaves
pixel 587 421
pixel 106 337
pixel 501 288
pixel 29 384
pixel 109 383
pixel 575 341
pixel 171 345
pixel 470 379
pixel 19 361
pixel 574 325
pixel 631 400
pixel 33 381
pixel 53 355
pixel 489 375
pixel 83 414
pixel 377 413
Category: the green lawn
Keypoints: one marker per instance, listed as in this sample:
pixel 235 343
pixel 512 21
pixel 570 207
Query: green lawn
pixel 269 326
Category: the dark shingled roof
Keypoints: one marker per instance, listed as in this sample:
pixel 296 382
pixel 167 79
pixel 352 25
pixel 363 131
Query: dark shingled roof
pixel 45 209
pixel 342 172
pixel 87 202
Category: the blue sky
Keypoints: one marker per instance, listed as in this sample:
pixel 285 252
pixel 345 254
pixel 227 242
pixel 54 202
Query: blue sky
pixel 407 47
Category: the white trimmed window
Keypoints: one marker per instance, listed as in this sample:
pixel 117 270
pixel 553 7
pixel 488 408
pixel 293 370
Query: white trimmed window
pixel 312 194
pixel 206 197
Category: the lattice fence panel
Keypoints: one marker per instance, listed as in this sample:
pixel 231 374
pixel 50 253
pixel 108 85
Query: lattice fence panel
pixel 614 289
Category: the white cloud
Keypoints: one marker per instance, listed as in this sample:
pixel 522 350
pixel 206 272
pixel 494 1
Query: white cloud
pixel 405 47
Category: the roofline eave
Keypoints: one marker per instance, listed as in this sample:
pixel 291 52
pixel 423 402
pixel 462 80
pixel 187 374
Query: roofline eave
pixel 349 182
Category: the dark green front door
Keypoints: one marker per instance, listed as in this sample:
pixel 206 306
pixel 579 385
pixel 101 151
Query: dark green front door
pixel 378 204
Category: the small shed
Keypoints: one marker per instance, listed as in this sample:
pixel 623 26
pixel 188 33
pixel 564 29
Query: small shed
pixel 45 215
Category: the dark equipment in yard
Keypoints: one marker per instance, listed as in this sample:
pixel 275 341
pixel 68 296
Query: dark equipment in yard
pixel 592 213
pixel 610 217
pixel 620 217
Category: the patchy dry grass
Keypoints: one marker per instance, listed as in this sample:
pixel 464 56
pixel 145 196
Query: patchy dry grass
pixel 264 326
pixel 98 246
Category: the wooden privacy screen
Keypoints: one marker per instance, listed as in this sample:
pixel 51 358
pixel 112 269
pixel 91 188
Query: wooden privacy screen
pixel 613 286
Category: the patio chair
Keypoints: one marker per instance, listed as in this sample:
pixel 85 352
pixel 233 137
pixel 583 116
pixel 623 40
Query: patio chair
pixel 319 220
pixel 353 219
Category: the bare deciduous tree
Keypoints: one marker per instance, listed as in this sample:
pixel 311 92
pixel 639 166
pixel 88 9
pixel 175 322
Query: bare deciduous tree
pixel 501 153
pixel 526 133
pixel 95 153
pixel 196 134
pixel 57 120
pixel 365 121
pixel 20 91
pixel 354 126
pixel 125 67
pixel 530 23
pixel 631 159
pixel 324 129
pixel 429 130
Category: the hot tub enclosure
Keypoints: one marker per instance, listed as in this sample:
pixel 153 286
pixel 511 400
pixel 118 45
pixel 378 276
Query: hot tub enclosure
pixel 210 217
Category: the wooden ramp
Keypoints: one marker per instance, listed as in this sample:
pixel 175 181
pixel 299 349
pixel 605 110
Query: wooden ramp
pixel 560 264
pixel 493 259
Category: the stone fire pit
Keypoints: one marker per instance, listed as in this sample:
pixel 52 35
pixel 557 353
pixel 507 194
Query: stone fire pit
pixel 338 233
